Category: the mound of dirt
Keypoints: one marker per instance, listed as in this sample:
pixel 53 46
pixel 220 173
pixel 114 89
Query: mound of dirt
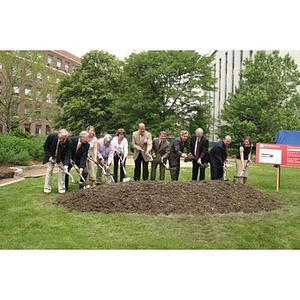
pixel 165 197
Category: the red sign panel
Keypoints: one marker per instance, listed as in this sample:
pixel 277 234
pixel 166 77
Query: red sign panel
pixel 275 154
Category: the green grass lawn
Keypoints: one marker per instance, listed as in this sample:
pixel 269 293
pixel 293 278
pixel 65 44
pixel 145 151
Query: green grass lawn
pixel 31 220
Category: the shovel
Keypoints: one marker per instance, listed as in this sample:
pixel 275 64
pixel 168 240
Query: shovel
pixel 224 174
pixel 85 186
pixel 72 178
pixel 125 179
pixel 103 169
pixel 150 156
pixel 243 172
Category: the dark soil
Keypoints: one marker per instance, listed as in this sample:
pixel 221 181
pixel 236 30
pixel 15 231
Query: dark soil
pixel 6 172
pixel 164 197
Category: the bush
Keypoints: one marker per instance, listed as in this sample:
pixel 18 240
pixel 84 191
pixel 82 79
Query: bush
pixel 20 151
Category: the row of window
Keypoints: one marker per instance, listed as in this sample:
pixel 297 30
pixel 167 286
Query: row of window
pixel 58 64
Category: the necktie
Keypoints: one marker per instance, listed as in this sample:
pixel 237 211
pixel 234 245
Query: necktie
pixel 58 156
pixel 78 146
pixel 197 149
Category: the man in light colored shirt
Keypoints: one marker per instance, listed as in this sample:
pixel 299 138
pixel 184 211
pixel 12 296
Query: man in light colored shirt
pixel 105 153
pixel 142 145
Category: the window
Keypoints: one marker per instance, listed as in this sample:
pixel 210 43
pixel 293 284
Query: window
pixel 67 67
pixel 38 129
pixel 15 91
pixel 28 91
pixel 58 64
pixel 39 96
pixel 39 77
pixel 15 109
pixel 28 72
pixel 50 60
pixel 27 127
pixel 48 98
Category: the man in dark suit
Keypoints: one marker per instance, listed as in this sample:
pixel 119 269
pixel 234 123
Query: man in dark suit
pixel 79 153
pixel 57 149
pixel 160 153
pixel 217 157
pixel 199 151
pixel 176 152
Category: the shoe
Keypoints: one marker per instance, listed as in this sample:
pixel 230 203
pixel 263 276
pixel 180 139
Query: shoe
pixel 47 193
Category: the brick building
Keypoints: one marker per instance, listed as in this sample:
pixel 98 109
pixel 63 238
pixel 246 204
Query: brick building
pixel 63 64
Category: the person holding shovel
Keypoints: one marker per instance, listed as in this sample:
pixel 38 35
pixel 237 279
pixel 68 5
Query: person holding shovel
pixel 160 153
pixel 57 149
pixel 79 153
pixel 91 168
pixel 142 145
pixel 106 151
pixel 176 152
pixel 243 159
pixel 199 152
pixel 217 158
pixel 120 143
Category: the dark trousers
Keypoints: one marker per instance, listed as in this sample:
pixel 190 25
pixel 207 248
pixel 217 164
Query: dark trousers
pixel 174 170
pixel 162 169
pixel 195 171
pixel 137 168
pixel 84 175
pixel 216 172
pixel 116 167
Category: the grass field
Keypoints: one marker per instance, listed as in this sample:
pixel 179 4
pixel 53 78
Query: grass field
pixel 31 220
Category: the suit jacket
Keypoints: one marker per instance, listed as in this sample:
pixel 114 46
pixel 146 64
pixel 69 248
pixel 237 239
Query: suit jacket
pixel 50 148
pixel 162 150
pixel 203 148
pixel 176 151
pixel 145 142
pixel 218 155
pixel 80 156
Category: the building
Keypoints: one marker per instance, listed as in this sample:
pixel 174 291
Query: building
pixel 62 63
pixel 227 67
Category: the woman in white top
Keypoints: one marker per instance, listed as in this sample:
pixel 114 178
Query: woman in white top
pixel 121 151
pixel 93 154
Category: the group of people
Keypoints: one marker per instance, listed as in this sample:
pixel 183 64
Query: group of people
pixel 94 157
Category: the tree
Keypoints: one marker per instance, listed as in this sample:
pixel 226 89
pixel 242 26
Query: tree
pixel 87 94
pixel 163 89
pixel 266 101
pixel 24 77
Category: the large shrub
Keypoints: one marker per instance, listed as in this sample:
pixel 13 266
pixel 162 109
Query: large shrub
pixel 20 151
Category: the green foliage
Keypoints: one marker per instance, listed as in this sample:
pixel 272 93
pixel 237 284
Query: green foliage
pixel 163 89
pixel 266 101
pixel 87 94
pixel 19 132
pixel 20 151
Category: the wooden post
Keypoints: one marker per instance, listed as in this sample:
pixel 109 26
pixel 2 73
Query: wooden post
pixel 278 179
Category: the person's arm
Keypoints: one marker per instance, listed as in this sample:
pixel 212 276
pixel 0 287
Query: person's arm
pixel 242 157
pixel 95 148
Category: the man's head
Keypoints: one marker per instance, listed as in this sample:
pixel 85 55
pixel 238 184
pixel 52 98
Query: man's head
pixel 141 128
pixel 162 136
pixel 63 135
pixel 184 135
pixel 199 132
pixel 107 140
pixel 227 140
pixel 83 137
